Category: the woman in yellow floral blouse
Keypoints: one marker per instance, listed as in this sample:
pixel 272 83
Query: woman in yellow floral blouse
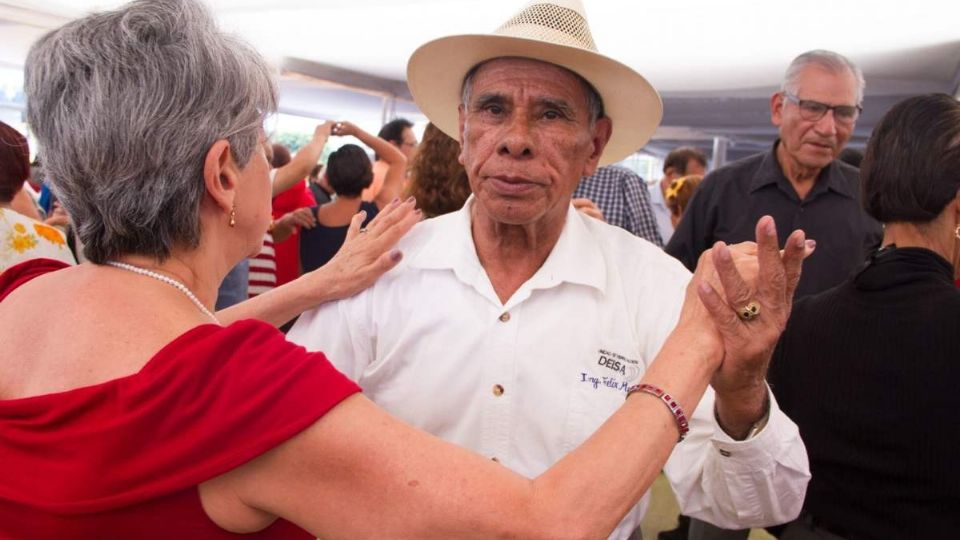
pixel 22 238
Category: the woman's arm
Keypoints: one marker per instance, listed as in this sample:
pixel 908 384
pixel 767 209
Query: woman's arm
pixel 360 473
pixel 396 161
pixel 361 260
pixel 303 162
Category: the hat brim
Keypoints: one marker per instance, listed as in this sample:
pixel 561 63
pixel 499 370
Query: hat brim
pixel 437 68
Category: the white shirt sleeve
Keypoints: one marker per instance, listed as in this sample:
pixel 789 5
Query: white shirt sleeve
pixel 739 484
pixel 342 331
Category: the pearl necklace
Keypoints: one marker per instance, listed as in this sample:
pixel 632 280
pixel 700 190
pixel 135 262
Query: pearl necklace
pixel 169 281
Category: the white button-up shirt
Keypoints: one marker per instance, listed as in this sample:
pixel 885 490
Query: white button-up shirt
pixel 527 381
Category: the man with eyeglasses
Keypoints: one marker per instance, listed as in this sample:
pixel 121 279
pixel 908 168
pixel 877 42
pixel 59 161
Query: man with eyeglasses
pixel 799 182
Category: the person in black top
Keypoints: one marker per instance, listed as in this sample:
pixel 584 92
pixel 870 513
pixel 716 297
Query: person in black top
pixel 799 181
pixel 868 369
pixel 349 172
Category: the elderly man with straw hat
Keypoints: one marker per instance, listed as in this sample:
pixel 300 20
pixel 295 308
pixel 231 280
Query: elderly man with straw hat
pixel 516 326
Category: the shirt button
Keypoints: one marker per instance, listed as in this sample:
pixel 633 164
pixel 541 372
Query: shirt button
pixel 505 316
pixel 497 390
pixel 725 453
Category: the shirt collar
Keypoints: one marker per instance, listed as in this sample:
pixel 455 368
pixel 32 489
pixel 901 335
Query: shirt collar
pixel 576 257
pixel 770 172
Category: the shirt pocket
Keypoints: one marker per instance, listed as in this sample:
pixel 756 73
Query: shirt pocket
pixel 598 386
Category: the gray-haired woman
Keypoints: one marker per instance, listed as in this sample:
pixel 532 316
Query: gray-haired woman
pixel 145 415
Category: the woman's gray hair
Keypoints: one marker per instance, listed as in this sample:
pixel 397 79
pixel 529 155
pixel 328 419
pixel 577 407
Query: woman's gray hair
pixel 126 104
pixel 829 60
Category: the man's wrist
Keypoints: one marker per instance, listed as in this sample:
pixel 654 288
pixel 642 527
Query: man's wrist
pixel 742 415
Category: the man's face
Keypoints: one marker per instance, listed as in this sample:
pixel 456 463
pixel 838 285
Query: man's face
pixel 694 167
pixel 409 143
pixel 526 140
pixel 814 144
pixel 671 173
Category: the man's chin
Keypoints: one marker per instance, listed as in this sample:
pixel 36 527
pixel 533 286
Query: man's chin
pixel 508 211
pixel 818 160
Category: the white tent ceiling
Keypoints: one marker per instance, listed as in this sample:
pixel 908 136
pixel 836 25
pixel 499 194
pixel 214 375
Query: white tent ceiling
pixel 716 62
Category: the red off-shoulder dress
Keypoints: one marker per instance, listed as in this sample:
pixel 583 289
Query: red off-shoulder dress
pixel 122 459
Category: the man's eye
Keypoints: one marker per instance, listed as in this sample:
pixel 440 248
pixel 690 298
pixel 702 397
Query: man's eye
pixel 552 115
pixel 814 107
pixel 845 112
pixel 494 109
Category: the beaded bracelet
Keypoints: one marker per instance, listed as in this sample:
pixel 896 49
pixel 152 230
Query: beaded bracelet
pixel 682 425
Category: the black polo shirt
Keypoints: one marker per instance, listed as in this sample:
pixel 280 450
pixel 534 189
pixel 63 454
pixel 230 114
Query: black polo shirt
pixel 730 201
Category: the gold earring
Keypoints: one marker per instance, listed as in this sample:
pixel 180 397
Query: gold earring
pixel 233 216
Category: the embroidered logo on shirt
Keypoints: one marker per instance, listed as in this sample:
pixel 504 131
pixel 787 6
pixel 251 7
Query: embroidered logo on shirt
pixel 627 367
pixel 622 372
pixel 606 382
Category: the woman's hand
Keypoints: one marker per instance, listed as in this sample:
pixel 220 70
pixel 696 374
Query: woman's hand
pixel 368 253
pixel 58 216
pixel 289 222
pixel 344 129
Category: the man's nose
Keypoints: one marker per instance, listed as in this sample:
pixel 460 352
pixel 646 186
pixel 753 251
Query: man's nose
pixel 517 139
pixel 827 125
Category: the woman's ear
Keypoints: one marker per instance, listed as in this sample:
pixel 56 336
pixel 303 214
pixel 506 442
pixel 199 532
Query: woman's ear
pixel 220 174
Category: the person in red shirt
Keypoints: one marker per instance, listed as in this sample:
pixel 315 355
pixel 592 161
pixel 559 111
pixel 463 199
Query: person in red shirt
pixel 291 211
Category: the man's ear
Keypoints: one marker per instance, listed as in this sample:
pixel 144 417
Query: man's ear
pixel 602 130
pixel 221 174
pixel 461 119
pixel 776 108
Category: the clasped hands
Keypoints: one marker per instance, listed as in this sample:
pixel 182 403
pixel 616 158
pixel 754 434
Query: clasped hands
pixel 745 294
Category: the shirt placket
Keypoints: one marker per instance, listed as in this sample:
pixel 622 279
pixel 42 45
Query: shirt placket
pixel 498 383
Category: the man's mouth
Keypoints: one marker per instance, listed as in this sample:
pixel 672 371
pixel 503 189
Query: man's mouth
pixel 511 185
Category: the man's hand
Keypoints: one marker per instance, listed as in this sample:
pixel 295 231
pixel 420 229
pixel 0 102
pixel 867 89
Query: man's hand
pixel 739 383
pixel 586 206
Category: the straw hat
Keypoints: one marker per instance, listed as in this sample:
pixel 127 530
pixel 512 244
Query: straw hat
pixel 554 31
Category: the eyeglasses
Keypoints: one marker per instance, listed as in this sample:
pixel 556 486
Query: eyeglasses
pixel 813 111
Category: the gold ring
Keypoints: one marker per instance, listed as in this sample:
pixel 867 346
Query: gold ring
pixel 363 229
pixel 749 312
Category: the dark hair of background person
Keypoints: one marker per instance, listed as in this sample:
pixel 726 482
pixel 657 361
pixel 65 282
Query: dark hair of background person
pixel 281 156
pixel 678 158
pixel 912 180
pixel 349 170
pixel 437 179
pixel 392 131
pixel 851 156
pixel 14 162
